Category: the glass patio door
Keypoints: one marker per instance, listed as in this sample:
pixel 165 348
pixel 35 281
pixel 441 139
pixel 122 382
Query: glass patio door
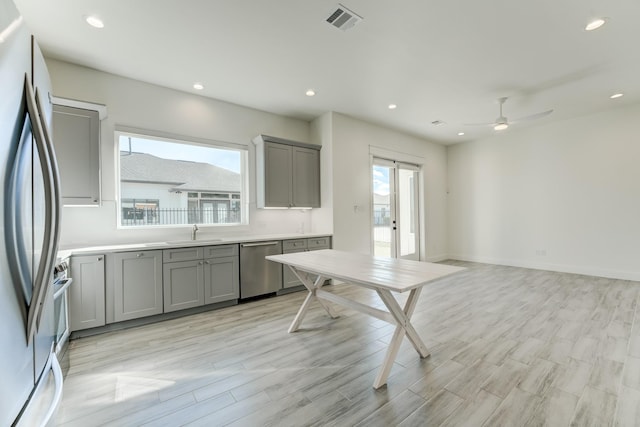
pixel 396 228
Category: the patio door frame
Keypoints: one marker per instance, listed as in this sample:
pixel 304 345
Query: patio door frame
pixel 396 223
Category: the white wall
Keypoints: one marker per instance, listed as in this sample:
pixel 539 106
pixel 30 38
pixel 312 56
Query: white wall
pixel 140 105
pixel 321 134
pixel 563 196
pixel 351 143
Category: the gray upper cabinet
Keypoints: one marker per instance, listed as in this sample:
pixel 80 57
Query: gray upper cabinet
pixel 134 285
pixel 277 175
pixel 86 305
pixel 76 137
pixel 306 177
pixel 288 173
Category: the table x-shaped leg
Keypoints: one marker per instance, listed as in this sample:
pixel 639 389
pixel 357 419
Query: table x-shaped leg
pixel 311 287
pixel 403 319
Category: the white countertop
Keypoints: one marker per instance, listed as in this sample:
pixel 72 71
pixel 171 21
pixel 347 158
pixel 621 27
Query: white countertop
pixel 65 252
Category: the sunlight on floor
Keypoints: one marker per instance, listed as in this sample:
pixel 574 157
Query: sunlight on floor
pixel 130 387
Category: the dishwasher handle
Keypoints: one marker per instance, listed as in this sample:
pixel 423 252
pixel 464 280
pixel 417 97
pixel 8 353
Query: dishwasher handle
pixel 251 245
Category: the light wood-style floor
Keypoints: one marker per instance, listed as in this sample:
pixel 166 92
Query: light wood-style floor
pixel 509 347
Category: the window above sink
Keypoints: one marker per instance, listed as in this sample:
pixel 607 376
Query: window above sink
pixel 171 182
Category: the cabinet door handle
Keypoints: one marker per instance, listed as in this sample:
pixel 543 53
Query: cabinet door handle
pixel 200 263
pixel 207 262
pixel 99 258
pixel 139 255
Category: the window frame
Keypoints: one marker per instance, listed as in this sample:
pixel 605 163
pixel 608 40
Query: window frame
pixel 243 149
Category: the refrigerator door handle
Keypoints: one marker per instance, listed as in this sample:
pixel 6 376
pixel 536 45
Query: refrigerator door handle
pixel 38 416
pixel 57 396
pixel 56 193
pixel 16 222
pixel 43 276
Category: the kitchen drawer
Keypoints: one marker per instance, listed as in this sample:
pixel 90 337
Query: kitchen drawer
pixel 182 254
pixel 319 242
pixel 220 251
pixel 294 244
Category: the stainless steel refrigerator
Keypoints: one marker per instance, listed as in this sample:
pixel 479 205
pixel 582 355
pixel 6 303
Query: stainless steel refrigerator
pixel 30 377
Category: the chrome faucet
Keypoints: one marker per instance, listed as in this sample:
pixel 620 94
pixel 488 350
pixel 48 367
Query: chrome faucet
pixel 194 231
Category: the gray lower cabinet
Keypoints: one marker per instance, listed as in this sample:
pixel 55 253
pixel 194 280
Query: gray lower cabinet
pixel 200 275
pixel 221 279
pixel 86 293
pixel 135 285
pixel 289 280
pixel 183 285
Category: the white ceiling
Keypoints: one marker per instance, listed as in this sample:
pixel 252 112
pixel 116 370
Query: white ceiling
pixel 443 60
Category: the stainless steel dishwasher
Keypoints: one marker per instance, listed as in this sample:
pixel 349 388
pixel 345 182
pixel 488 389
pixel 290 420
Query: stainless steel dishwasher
pixel 259 276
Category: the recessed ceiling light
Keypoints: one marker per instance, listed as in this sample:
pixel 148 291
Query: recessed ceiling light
pixel 392 106
pixel 198 86
pixel 616 95
pixel 310 92
pixel 595 24
pixel 94 21
pixel 460 133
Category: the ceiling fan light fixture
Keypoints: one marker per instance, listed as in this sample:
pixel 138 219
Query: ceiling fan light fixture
pixel 595 24
pixel 501 123
pixel 94 21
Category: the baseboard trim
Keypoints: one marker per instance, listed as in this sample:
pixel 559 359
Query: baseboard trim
pixel 561 268
pixel 437 258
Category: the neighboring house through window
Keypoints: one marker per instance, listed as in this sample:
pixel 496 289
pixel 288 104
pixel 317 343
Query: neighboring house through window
pixel 169 182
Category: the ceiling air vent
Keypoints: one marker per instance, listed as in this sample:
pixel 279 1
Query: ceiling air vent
pixel 343 18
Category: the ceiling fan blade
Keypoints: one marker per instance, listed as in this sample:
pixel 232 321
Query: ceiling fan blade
pixel 533 116
pixel 480 124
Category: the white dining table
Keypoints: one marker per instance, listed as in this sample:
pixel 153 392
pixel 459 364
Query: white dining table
pixel 385 276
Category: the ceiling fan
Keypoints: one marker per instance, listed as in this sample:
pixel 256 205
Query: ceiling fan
pixel 501 123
